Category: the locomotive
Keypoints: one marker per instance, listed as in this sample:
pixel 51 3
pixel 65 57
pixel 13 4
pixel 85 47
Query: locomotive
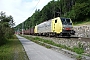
pixel 55 27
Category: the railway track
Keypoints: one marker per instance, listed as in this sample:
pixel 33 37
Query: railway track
pixel 84 39
pixel 77 38
pixel 64 37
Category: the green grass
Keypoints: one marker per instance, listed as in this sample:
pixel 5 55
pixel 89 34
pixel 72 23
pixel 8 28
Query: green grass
pixel 82 23
pixel 12 50
pixel 78 50
pixel 79 57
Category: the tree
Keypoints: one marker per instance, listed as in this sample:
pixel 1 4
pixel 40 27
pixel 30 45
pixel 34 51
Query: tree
pixel 79 11
pixel 6 30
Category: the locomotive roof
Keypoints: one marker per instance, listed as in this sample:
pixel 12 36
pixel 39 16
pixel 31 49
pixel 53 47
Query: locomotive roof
pixel 64 18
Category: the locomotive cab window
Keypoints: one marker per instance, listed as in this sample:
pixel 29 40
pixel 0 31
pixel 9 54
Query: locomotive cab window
pixel 55 21
pixel 66 21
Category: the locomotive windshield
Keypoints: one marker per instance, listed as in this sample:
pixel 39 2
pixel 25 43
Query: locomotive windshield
pixel 66 21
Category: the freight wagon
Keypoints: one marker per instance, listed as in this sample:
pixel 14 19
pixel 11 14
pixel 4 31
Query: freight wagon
pixel 29 31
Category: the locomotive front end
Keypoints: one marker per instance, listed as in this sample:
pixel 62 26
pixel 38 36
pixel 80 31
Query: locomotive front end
pixel 67 27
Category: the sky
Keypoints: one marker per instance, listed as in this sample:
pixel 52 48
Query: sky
pixel 20 10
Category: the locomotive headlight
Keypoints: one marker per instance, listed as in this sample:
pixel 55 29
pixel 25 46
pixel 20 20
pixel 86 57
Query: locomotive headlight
pixel 63 28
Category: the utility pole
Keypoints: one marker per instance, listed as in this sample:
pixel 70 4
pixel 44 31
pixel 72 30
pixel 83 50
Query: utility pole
pixel 22 28
pixel 18 31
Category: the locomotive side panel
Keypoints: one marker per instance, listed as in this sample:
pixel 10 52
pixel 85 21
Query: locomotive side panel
pixel 44 27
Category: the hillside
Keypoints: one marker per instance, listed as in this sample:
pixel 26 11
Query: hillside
pixel 77 10
pixel 82 23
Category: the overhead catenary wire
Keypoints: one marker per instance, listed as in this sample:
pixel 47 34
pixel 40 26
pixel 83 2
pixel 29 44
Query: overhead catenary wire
pixel 31 13
pixel 35 7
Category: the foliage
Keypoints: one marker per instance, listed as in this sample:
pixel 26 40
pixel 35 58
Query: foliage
pixel 6 30
pixel 51 10
pixel 12 50
pixel 79 57
pixel 80 12
pixel 78 50
pixel 77 10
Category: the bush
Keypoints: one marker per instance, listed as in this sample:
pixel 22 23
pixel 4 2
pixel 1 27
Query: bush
pixel 78 50
pixel 6 31
pixel 2 38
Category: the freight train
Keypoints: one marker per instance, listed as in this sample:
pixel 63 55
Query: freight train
pixel 54 27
